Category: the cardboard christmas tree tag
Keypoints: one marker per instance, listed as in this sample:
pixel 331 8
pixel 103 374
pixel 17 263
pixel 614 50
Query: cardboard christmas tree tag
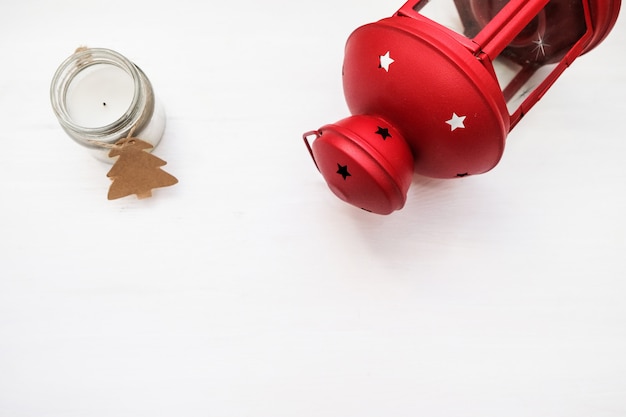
pixel 136 171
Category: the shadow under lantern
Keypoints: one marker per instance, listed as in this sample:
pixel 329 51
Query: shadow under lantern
pixel 436 88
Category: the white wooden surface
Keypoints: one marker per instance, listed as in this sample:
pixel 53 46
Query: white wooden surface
pixel 248 289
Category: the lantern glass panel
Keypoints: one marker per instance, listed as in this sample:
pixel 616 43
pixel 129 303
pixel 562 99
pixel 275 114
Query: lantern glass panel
pixel 533 53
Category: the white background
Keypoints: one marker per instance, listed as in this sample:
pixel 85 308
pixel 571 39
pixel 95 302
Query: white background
pixel 248 289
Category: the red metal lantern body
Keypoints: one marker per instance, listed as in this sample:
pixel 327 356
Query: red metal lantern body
pixel 437 87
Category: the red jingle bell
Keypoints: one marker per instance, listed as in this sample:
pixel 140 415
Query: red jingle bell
pixel 436 88
pixel 365 161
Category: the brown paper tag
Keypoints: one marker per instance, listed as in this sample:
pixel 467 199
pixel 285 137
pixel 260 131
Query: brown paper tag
pixel 136 171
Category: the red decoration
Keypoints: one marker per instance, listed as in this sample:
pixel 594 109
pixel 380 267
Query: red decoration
pixel 440 102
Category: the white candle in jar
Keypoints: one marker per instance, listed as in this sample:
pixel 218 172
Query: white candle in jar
pixel 99 95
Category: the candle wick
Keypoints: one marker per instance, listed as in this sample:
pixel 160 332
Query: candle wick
pixel 104 104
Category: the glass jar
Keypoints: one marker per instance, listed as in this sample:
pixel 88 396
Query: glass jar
pixel 99 97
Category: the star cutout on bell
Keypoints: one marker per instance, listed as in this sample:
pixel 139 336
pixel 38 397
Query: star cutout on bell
pixel 456 122
pixel 383 132
pixel 385 61
pixel 343 171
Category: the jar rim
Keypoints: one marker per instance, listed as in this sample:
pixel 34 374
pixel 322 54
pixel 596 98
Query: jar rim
pixel 71 67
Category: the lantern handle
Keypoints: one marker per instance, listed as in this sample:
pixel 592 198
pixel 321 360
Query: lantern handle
pixel 305 137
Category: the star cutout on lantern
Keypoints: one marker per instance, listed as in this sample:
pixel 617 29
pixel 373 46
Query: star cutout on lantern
pixel 343 171
pixel 457 122
pixel 385 61
pixel 383 132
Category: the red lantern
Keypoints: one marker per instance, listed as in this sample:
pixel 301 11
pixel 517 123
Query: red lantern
pixel 436 88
